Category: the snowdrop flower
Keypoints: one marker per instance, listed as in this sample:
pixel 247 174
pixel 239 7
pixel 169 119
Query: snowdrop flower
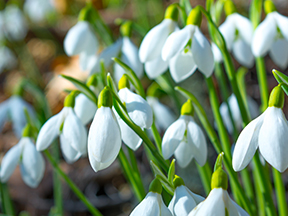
pixel 14 108
pixel 104 138
pixel 66 125
pixel 183 200
pixel 38 10
pixel 152 204
pixel 7 59
pixel 218 201
pixel 84 108
pixel 235 111
pixel 152 44
pixel 269 132
pixel 188 49
pixel 32 164
pixel 237 31
pixel 272 36
pixel 185 139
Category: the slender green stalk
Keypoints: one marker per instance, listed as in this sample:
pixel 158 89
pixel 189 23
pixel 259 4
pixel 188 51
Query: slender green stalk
pixel 6 203
pixel 72 186
pixel 262 80
pixel 280 193
pixel 205 173
pixel 260 199
pixel 157 137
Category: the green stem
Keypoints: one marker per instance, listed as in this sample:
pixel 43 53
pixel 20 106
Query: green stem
pixel 205 173
pixel 280 193
pixel 157 137
pixel 6 203
pixel 72 186
pixel 259 196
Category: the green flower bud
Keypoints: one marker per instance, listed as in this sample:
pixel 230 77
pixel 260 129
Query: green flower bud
pixel 172 12
pixel 27 131
pixel 178 181
pixel 195 17
pixel 85 13
pixel 229 7
pixel 125 28
pixel 276 98
pixel 269 6
pixel 18 90
pixel 123 82
pixel 187 108
pixel 219 177
pixel 154 90
pixel 155 186
pixel 92 80
pixel 105 98
pixel 70 99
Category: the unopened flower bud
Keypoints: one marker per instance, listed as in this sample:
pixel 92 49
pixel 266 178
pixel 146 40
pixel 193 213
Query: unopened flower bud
pixel 269 6
pixel 92 80
pixel 276 98
pixel 123 82
pixel 105 98
pixel 187 108
pixel 195 17
pixel 172 12
pixel 229 7
pixel 125 28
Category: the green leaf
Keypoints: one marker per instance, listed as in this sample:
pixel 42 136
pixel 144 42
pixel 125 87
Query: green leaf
pixel 82 87
pixel 219 161
pixel 255 12
pixel 281 79
pixel 171 171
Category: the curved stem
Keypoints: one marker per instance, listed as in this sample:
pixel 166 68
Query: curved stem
pixel 280 193
pixel 262 80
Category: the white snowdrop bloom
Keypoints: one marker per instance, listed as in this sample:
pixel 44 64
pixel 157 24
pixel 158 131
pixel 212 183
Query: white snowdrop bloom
pixel 70 129
pixel 38 10
pixel 272 36
pixel 185 139
pixel 153 42
pixel 164 117
pixel 236 114
pixel 104 138
pixel 14 108
pixel 152 204
pixel 269 132
pixel 183 200
pixel 188 49
pixel 7 59
pixel 15 26
pixel 32 164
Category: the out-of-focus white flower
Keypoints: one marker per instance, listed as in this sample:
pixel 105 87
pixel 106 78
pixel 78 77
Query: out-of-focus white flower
pixel 67 125
pixel 104 138
pixel 216 53
pixel 153 42
pixel 272 36
pixel 152 204
pixel 185 139
pixel 38 10
pixel 269 132
pixel 32 164
pixel 236 114
pixel 188 49
pixel 7 59
pixel 183 200
pixel 14 108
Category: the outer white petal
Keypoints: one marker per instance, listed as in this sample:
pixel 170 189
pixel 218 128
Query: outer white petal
pixel 197 198
pixel 84 108
pixel 202 53
pixel 212 205
pixel 80 38
pixel 264 35
pixel 244 27
pixel 164 211
pixel 228 29
pixel 87 61
pixel 154 40
pixel 69 153
pixel 196 139
pixel 242 53
pixel 138 109
pixel 49 131
pixel 10 161
pixel 282 23
pixel 33 164
pixel 216 53
pixel 4 108
pixel 240 211
pixel 247 144
pixel 279 53
pixel 104 138
pixel 176 42
pixel 156 67
pixel 172 137
pixel 129 137
pixel 273 138
pixel 148 207
pixel 75 132
pixel 182 65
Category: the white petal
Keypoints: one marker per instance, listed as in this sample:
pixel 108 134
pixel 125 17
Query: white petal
pixel 172 137
pixel 75 132
pixel 154 40
pixel 148 207
pixel 80 38
pixel 244 27
pixel 10 161
pixel 247 144
pixel 229 205
pixel 216 53
pixel 253 107
pixel 163 208
pixel 33 164
pixel 282 23
pixel 84 108
pixel 197 198
pixel 273 138
pixel 184 154
pixel 138 109
pixel 279 53
pixel 182 66
pixel 236 114
pixel 104 138
pixel 226 117
pixel 69 153
pixel 228 29
pixel 87 61
pixel 241 211
pixel 243 54
pixel 176 42
pixel 155 67
pixel 264 35
pixel 4 108
pixel 202 53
